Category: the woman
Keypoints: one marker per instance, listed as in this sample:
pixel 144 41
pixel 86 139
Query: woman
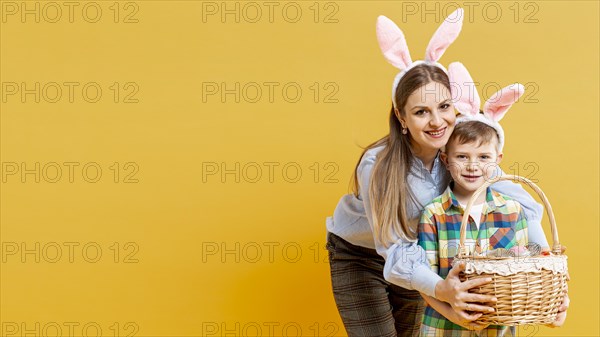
pixel 377 270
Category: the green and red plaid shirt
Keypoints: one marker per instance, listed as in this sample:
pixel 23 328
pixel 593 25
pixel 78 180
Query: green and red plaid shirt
pixel 502 225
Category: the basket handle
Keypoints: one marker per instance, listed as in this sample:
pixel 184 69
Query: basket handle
pixel 462 251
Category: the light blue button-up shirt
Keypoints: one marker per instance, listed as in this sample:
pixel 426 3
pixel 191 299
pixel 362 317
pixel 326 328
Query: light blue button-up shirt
pixel 405 262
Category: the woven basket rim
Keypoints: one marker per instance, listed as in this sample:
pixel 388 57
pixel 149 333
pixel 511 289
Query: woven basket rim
pixel 505 267
pixel 556 247
pixel 503 258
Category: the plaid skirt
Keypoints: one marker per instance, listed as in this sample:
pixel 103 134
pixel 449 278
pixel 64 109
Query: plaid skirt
pixel 368 304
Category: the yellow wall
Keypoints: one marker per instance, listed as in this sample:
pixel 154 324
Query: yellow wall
pixel 201 254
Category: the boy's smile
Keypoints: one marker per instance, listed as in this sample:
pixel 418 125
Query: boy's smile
pixel 471 178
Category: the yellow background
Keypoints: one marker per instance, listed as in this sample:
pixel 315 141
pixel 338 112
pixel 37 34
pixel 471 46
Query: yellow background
pixel 173 218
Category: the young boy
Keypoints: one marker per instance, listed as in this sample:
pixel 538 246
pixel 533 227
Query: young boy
pixel 495 221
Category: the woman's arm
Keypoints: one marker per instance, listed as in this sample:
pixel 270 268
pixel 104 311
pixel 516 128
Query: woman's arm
pixel 406 263
pixel 533 210
pixel 562 313
pixel 456 293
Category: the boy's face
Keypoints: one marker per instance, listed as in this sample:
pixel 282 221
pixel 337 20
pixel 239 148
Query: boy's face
pixel 471 165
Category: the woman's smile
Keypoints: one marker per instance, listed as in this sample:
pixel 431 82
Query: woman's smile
pixel 439 133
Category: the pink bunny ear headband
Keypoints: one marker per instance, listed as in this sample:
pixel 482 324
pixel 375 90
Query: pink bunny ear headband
pixel 394 48
pixel 466 100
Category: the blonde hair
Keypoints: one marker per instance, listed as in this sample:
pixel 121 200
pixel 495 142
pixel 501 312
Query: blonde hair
pixel 388 189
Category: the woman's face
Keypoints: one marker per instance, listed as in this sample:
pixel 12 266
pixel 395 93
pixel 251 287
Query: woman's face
pixel 429 116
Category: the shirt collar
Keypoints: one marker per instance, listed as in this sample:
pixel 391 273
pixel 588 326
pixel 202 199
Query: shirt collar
pixel 436 164
pixel 493 199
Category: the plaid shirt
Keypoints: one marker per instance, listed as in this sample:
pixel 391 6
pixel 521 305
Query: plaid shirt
pixel 502 225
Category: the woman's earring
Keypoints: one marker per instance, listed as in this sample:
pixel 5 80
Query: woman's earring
pixel 404 129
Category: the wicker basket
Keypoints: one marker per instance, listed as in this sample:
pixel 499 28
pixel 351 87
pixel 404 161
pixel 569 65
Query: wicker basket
pixel 529 289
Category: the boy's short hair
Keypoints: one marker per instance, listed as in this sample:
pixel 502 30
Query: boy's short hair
pixel 473 131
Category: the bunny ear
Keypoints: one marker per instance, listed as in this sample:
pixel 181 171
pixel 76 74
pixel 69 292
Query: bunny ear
pixel 444 35
pixel 496 107
pixel 392 43
pixel 464 93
